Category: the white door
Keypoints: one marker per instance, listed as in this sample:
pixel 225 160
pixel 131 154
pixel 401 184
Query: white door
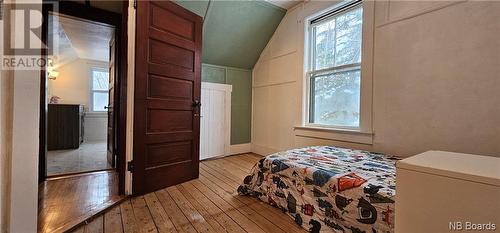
pixel 215 126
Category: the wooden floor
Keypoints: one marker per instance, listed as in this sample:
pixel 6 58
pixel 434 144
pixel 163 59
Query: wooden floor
pixel 67 201
pixel 207 204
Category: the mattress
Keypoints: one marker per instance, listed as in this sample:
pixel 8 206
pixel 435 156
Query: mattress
pixel 328 189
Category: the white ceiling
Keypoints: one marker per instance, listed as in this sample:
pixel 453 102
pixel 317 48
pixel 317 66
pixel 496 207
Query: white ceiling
pixel 79 39
pixel 285 4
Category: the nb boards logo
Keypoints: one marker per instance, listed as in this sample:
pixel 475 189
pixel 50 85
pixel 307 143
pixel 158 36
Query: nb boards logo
pixel 24 45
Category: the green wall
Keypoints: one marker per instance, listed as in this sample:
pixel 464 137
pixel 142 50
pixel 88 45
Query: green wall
pixel 235 32
pixel 241 97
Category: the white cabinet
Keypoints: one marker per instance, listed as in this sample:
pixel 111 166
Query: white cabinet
pixel 440 191
pixel 215 122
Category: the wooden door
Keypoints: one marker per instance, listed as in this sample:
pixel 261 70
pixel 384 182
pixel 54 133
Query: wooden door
pixel 167 96
pixel 111 102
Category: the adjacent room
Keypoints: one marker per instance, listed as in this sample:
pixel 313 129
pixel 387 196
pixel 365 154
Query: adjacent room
pixel 78 85
pixel 349 116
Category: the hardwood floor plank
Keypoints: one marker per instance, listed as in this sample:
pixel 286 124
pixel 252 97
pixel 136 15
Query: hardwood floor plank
pixel 253 156
pixel 270 213
pixel 180 221
pixel 95 226
pixel 245 157
pixel 195 218
pixel 67 201
pixel 217 227
pixel 142 215
pixel 221 176
pixel 221 217
pixel 55 210
pixel 234 213
pixel 241 163
pixel 231 167
pixel 262 222
pixel 128 219
pixel 229 173
pixel 113 221
pixel 208 204
pixel 160 217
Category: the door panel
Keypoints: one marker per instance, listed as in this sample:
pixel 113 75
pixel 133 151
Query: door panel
pixel 111 101
pixel 177 121
pixel 166 53
pixel 213 123
pixel 167 90
pixel 178 151
pixel 163 87
pixel 169 22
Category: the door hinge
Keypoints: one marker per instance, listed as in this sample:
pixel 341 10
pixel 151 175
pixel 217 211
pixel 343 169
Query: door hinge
pixel 130 166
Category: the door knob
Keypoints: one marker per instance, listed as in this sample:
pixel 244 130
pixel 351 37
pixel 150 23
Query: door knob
pixel 196 103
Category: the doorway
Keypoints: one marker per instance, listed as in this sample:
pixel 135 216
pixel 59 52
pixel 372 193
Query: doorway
pixel 82 103
pixel 80 80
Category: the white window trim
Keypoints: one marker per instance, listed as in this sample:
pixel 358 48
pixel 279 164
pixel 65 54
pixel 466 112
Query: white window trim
pixel 91 91
pixel 363 133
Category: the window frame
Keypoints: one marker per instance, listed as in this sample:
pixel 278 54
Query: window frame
pixel 365 66
pixel 92 91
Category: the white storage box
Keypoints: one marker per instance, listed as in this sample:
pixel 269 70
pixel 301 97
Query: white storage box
pixel 440 191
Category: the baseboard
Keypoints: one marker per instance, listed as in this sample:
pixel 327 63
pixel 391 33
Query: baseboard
pixel 240 149
pixel 263 150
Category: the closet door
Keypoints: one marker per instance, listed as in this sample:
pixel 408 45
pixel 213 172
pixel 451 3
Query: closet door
pixel 215 123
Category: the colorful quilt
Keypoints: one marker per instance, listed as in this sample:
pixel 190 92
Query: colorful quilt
pixel 328 189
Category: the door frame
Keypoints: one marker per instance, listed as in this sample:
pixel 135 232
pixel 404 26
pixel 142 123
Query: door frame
pixel 119 21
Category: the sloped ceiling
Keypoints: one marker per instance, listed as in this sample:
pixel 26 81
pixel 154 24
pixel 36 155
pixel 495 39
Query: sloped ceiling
pixel 286 4
pixel 73 39
pixel 235 32
pixel 90 41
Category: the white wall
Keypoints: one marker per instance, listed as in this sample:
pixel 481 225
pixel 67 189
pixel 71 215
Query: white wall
pixel 435 80
pixel 24 160
pixel 6 83
pixel 95 127
pixel 73 86
pixel 19 125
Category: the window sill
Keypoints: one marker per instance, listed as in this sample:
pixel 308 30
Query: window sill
pixel 344 135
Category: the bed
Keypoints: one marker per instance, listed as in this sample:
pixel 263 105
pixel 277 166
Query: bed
pixel 328 189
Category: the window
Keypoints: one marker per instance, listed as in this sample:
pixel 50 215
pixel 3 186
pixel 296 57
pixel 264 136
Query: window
pixel 99 90
pixel 334 69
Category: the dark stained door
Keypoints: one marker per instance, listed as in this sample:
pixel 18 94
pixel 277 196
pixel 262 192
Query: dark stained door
pixel 111 103
pixel 167 94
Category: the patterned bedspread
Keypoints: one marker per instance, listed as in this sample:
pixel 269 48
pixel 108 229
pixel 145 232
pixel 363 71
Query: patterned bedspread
pixel 328 189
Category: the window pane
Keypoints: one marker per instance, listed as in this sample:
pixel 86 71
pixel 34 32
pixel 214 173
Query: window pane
pixel 325 45
pixel 338 40
pixel 336 99
pixel 100 80
pixel 99 101
pixel 348 37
